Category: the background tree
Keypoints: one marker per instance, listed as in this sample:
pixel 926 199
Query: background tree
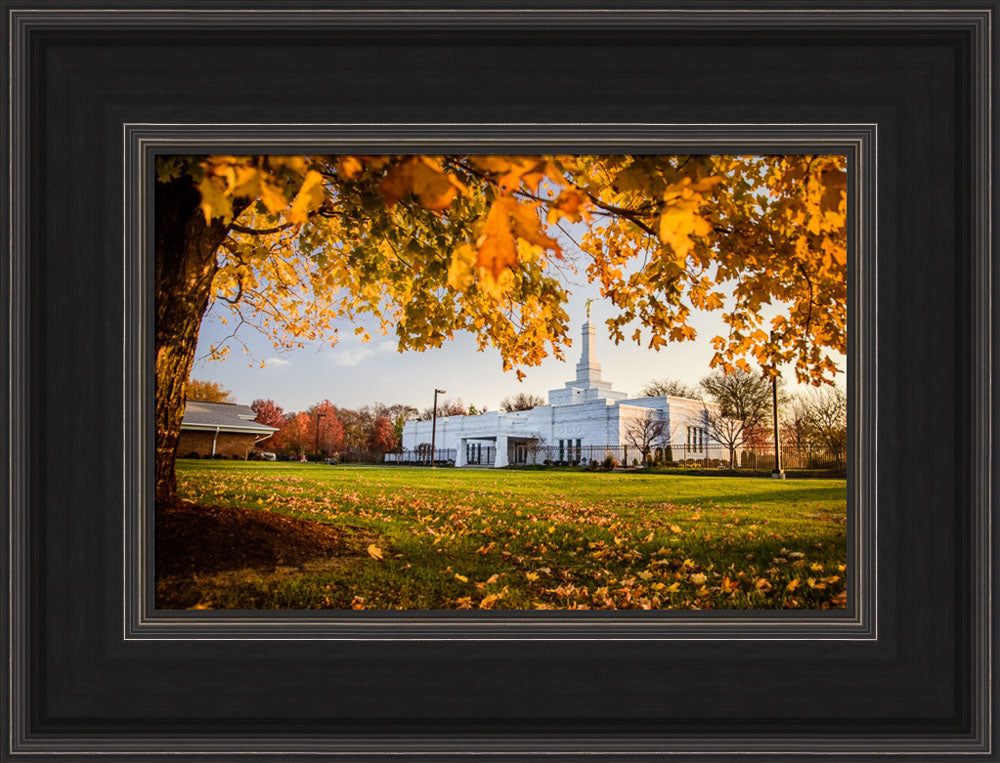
pixel 295 435
pixel 327 417
pixel 796 426
pixel 398 414
pixel 533 447
pixel 522 401
pixel 658 387
pixel 268 413
pixel 445 408
pixel 645 431
pixel 209 392
pixel 827 416
pixel 382 438
pixel 431 245
pixel 742 405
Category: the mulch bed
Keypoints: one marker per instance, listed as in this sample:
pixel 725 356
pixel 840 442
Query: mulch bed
pixel 194 538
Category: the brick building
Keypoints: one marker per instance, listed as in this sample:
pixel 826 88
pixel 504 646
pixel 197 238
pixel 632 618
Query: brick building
pixel 225 429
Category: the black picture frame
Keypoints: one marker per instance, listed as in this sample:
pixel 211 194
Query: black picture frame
pixel 96 90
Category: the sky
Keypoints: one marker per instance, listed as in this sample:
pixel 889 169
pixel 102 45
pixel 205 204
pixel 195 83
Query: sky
pixel 356 373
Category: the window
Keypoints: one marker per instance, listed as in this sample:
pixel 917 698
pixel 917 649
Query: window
pixel 562 454
pixel 695 439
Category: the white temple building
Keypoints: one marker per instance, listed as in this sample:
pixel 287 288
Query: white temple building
pixel 582 420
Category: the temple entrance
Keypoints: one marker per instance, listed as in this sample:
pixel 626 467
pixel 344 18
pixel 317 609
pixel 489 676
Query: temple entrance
pixel 478 454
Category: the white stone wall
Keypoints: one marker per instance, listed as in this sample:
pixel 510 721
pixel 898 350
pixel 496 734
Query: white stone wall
pixel 598 423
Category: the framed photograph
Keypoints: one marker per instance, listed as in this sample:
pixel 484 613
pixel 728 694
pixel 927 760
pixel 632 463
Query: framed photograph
pixel 505 381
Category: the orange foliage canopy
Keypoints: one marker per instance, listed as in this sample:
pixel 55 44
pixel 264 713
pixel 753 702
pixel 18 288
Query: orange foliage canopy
pixel 431 245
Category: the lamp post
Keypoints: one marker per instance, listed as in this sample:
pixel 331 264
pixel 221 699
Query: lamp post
pixel 778 473
pixel 434 421
pixel 319 417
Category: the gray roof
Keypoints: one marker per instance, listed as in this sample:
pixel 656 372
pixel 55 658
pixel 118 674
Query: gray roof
pixel 228 417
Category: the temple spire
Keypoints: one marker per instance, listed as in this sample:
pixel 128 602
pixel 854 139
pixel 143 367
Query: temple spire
pixel 588 369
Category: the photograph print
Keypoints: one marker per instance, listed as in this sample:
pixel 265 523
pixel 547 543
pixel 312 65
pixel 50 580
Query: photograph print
pixel 484 382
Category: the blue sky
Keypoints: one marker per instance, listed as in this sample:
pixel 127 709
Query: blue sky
pixel 356 373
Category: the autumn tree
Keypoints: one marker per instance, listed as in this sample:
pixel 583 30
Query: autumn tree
pixel 645 430
pixel 742 403
pixel 432 245
pixel 522 401
pixel 325 427
pixel 398 415
pixel 208 392
pixel 675 387
pixel 268 413
pixel 382 438
pixel 294 436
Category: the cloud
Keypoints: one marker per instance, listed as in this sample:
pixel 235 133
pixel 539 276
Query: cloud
pixel 276 362
pixel 347 357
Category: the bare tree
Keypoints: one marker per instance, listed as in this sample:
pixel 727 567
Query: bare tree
pixel 827 411
pixel 522 401
pixel 675 387
pixel 644 431
pixel 532 447
pixel 796 427
pixel 742 404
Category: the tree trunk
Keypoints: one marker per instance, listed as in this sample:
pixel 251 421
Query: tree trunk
pixel 185 267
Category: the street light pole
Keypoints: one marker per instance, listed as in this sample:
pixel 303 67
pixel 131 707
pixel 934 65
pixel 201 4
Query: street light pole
pixel 434 421
pixel 319 417
pixel 778 473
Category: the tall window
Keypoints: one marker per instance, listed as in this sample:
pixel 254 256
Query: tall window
pixel 695 439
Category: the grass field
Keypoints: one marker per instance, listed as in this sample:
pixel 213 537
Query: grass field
pixel 449 538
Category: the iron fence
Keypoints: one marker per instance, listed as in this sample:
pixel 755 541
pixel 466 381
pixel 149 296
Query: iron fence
pixel 422 456
pixel 527 453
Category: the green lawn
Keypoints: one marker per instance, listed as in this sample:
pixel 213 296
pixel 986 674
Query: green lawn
pixel 450 538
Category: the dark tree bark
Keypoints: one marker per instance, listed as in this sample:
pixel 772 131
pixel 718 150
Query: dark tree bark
pixel 185 267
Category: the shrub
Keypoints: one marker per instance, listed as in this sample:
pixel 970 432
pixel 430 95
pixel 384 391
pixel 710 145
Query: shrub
pixel 610 462
pixel 192 454
pixel 218 456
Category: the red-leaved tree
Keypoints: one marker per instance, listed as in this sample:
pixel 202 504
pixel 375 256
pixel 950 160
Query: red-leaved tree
pixel 331 428
pixel 295 434
pixel 268 413
pixel 382 438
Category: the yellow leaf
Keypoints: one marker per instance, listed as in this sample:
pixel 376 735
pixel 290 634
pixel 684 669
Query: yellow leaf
pixel 532 576
pixel 461 578
pixel 214 203
pixel 678 222
pixel 350 167
pixel 497 250
pixel 311 194
pixel 398 182
pixel 461 272
pixel 374 551
pixel 676 529
pixel 432 187
pixel 698 578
